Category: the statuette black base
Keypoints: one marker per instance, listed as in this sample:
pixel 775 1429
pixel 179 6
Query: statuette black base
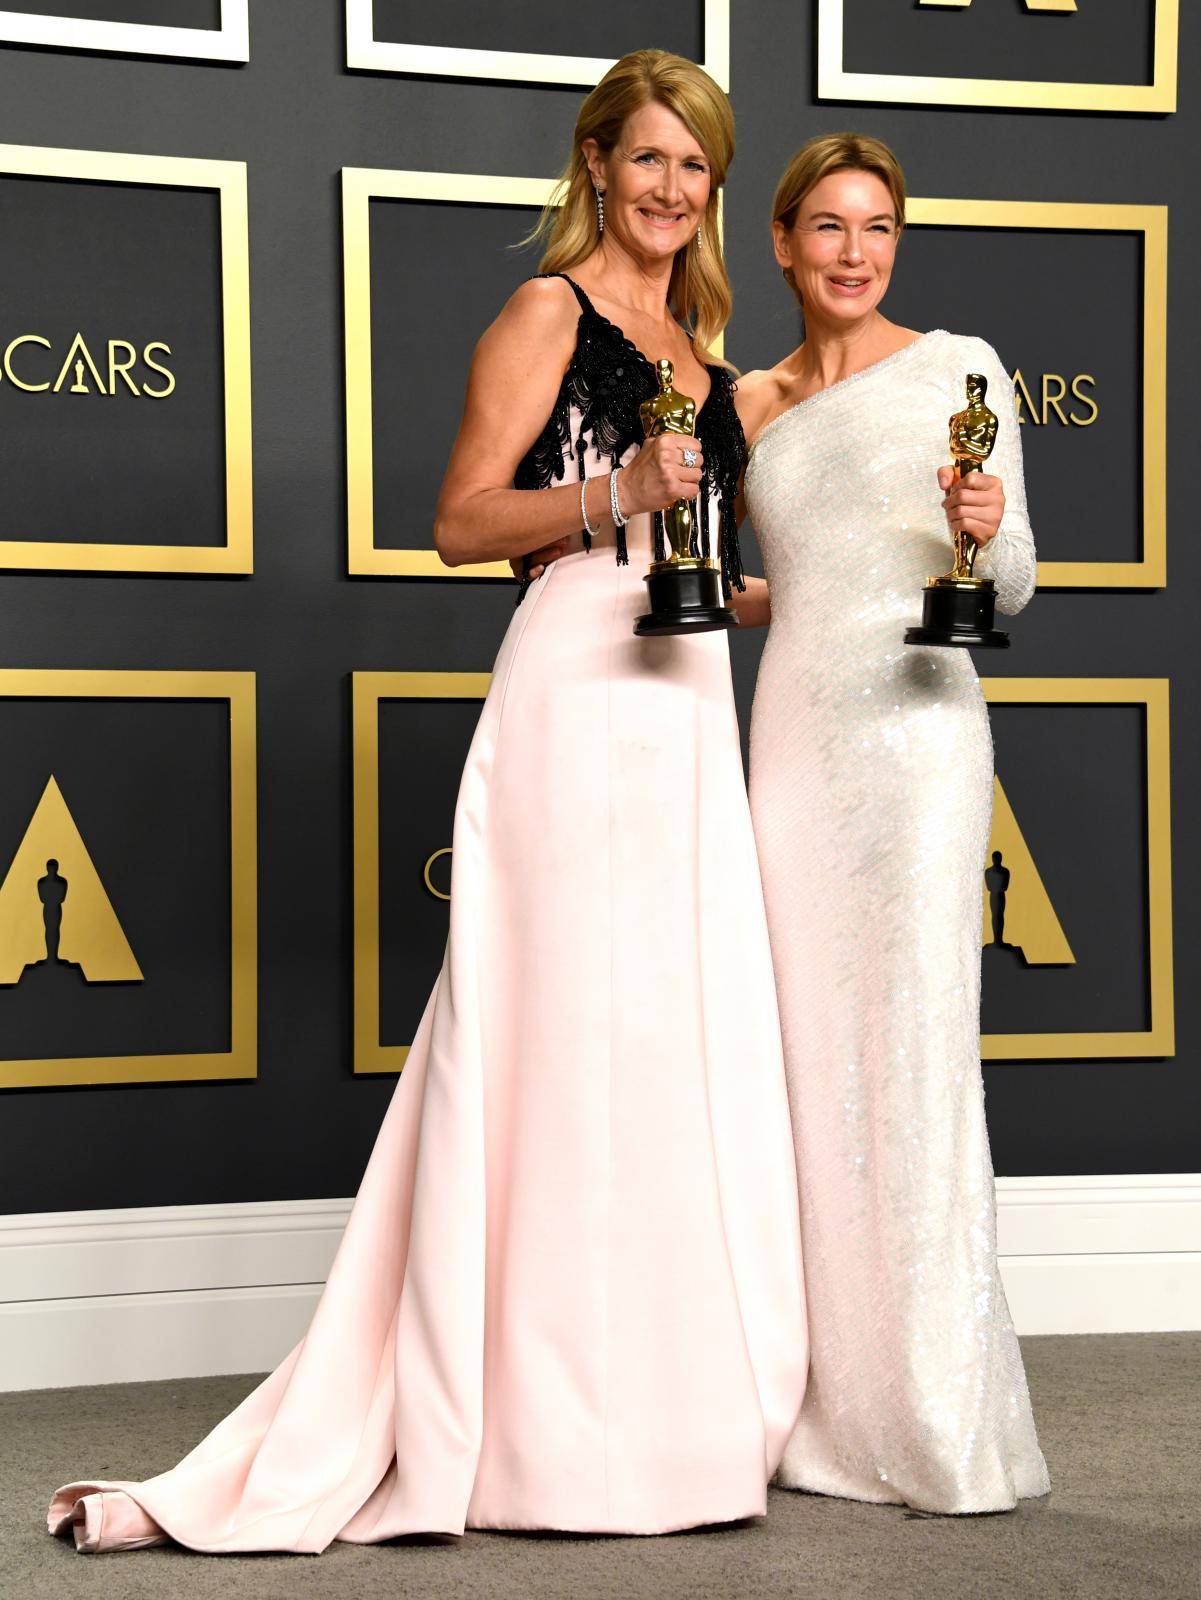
pixel 958 612
pixel 685 597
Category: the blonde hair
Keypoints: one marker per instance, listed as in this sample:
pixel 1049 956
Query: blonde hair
pixel 835 152
pixel 699 294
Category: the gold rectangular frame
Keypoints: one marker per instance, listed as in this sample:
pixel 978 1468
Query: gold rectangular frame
pixel 1031 5
pixel 229 42
pixel 361 185
pixel 835 83
pixel 241 1059
pixel 228 178
pixel 367 53
pixel 1160 1038
pixel 1151 222
pixel 367 690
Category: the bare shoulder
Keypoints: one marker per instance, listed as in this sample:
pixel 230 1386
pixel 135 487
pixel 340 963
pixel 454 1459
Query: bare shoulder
pixel 534 333
pixel 749 383
pixel 541 309
pixel 758 395
pixel 753 390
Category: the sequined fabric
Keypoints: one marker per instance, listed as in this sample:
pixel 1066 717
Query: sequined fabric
pixel 871 790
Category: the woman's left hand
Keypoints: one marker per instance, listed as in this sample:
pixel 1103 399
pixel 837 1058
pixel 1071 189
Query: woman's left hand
pixel 539 560
pixel 974 505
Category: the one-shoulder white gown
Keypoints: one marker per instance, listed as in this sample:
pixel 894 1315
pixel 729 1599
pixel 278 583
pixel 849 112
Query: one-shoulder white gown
pixel 871 794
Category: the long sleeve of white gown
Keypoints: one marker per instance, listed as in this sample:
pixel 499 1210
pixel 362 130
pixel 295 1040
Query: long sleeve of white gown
pixel 1009 558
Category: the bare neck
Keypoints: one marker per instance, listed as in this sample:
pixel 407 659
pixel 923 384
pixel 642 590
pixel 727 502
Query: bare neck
pixel 830 354
pixel 614 272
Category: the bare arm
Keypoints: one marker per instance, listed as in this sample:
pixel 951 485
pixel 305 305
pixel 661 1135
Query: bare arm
pixel 753 605
pixel 514 382
pixel 511 390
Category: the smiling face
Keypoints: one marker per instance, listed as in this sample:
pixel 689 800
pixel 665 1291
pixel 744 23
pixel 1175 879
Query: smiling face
pixel 841 247
pixel 656 183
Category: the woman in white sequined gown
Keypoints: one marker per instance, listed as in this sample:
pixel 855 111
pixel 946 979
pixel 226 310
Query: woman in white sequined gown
pixel 871 792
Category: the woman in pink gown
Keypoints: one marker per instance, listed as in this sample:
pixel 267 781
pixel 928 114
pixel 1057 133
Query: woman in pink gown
pixel 569 1293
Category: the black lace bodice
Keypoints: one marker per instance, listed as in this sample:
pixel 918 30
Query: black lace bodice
pixel 606 381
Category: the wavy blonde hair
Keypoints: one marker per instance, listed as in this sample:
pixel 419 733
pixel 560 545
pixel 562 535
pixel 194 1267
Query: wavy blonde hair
pixel 835 152
pixel 699 294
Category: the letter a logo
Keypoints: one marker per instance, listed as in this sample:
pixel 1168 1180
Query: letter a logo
pixel 53 906
pixel 1018 914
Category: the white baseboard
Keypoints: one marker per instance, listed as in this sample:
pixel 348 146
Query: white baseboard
pixel 192 1291
pixel 1118 1254
pixel 159 1291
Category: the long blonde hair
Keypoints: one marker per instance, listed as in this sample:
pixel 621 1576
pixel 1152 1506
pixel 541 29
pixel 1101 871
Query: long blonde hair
pixel 835 152
pixel 699 294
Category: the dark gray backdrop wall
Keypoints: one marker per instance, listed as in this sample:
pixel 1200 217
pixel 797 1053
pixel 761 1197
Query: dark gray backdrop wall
pixel 297 117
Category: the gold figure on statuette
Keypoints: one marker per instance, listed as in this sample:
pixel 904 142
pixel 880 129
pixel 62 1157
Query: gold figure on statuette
pixel 958 607
pixel 685 589
pixel 973 432
pixel 672 412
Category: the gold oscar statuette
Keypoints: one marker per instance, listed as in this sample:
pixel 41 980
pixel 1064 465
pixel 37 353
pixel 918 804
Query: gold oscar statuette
pixel 957 607
pixel 685 589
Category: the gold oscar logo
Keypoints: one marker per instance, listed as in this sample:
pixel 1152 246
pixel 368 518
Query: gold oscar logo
pixel 54 910
pixel 427 871
pixel 1018 914
pixel 1052 389
pixel 33 374
pixel 1031 5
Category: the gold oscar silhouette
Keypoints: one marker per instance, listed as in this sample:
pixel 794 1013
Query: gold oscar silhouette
pixel 54 910
pixel 1018 914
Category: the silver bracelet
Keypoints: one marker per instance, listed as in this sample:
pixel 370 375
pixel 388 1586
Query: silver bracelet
pixel 618 520
pixel 588 528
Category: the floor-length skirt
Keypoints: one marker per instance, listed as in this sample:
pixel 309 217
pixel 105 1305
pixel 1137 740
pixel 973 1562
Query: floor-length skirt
pixel 872 815
pixel 569 1292
pixel 871 788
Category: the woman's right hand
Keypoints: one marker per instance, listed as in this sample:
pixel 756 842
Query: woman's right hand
pixel 657 476
pixel 655 479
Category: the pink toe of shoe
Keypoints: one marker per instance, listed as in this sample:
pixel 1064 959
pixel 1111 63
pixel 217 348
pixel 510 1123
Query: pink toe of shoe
pixel 102 1520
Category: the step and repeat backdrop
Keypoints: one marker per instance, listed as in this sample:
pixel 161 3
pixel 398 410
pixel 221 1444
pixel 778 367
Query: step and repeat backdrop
pixel 245 253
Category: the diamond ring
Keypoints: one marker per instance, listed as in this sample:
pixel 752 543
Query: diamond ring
pixel 690 458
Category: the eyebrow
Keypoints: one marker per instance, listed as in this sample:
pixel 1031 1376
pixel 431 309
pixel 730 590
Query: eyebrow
pixel 654 150
pixel 880 216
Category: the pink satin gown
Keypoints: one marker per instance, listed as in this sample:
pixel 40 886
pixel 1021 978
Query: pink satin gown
pixel 569 1293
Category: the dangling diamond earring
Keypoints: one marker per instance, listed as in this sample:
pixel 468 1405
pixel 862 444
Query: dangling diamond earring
pixel 600 209
pixel 700 239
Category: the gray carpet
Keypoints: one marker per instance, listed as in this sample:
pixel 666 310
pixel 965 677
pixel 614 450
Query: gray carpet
pixel 1118 1416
